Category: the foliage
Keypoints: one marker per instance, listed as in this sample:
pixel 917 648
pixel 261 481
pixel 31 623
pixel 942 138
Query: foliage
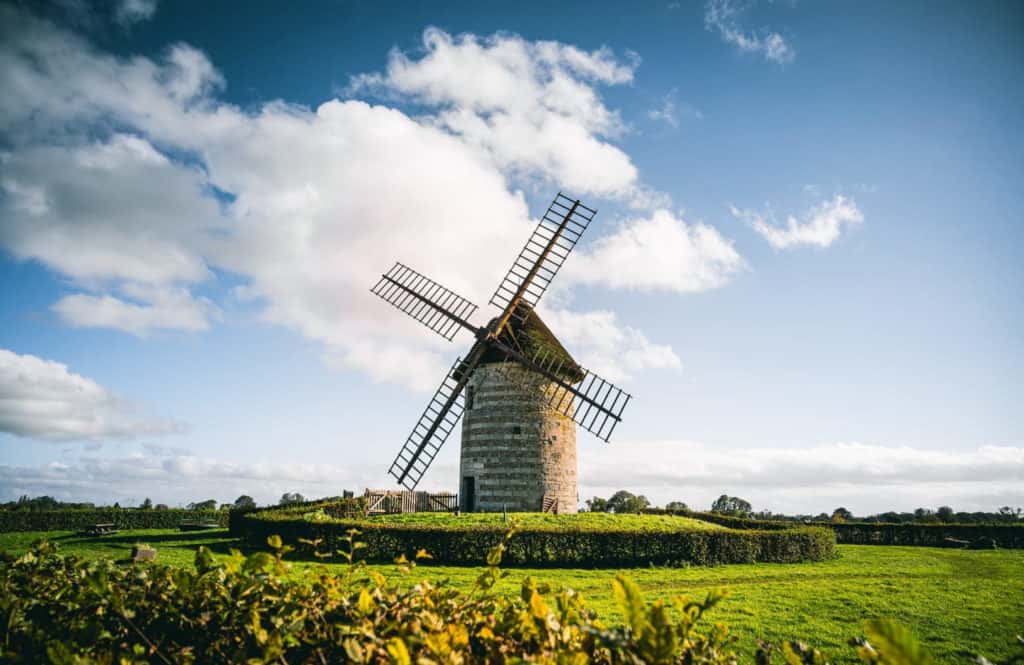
pixel 841 515
pixel 622 502
pixel 25 503
pixel 291 499
pixel 731 505
pixel 538 543
pixel 65 610
pixel 121 518
pixel 147 504
pixel 209 504
pixel 930 535
pixel 597 505
pixel 676 505
pixel 244 502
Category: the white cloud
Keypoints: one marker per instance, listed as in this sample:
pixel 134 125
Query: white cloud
pixel 658 253
pixel 599 342
pixel 128 12
pixel 532 106
pixel 165 310
pixel 866 478
pixel 42 399
pixel 307 206
pixel 175 478
pixel 821 225
pixel 721 15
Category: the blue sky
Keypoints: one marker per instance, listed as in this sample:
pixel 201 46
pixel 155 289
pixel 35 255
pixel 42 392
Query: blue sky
pixel 806 264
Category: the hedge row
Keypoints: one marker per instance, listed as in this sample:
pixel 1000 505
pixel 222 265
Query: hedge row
pixel 929 535
pixel 879 533
pixel 546 547
pixel 743 523
pixel 130 518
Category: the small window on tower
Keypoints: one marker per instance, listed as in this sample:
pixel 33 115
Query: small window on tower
pixel 470 394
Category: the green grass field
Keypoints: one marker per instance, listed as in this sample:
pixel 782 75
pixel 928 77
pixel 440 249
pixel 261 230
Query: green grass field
pixel 956 601
pixel 579 521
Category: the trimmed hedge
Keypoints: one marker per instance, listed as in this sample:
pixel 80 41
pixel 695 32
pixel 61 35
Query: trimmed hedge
pixel 536 546
pixel 929 535
pixel 1009 536
pixel 122 518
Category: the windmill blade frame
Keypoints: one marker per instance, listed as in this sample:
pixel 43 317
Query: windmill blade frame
pixel 593 403
pixel 557 233
pixel 435 425
pixel 436 307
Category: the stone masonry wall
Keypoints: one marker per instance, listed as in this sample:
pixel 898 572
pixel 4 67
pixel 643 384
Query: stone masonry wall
pixel 516 449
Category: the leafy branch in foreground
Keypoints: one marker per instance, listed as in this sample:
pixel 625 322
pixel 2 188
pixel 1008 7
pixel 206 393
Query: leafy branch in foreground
pixel 63 609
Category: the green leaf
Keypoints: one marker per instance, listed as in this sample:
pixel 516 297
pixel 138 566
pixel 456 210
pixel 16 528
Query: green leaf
pixel 631 601
pixel 895 644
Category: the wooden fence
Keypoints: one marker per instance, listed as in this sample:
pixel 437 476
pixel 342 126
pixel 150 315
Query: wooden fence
pixel 387 502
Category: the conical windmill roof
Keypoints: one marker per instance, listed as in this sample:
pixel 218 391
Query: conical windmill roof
pixel 531 336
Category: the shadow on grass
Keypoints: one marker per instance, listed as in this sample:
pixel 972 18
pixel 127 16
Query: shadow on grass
pixel 217 541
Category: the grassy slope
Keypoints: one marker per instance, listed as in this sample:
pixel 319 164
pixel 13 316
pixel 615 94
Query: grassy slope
pixel 581 521
pixel 954 600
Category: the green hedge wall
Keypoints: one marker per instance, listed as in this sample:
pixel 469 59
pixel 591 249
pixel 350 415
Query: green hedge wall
pixel 544 547
pixel 929 535
pixel 122 518
pixel 743 523
pixel 1008 536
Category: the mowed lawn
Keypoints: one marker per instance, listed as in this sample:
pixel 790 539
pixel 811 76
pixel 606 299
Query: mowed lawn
pixel 957 602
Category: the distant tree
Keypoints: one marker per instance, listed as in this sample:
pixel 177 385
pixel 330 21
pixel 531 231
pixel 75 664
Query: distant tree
pixel 289 498
pixel 117 504
pixel 209 504
pixel 925 515
pixel 731 505
pixel 597 505
pixel 244 502
pixel 1010 514
pixel 676 505
pixel 146 505
pixel 841 515
pixel 627 502
pixel 161 506
pixel 945 514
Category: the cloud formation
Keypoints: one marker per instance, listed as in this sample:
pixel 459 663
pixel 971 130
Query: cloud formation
pixel 306 205
pixel 821 225
pixel 661 252
pixel 866 478
pixel 720 16
pixel 42 399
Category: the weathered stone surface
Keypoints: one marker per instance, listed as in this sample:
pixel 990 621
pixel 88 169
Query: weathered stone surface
pixel 517 450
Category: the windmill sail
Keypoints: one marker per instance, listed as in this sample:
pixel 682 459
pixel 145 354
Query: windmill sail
pixel 545 252
pixel 436 307
pixel 432 429
pixel 595 404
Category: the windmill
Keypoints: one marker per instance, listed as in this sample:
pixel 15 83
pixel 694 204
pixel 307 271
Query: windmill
pixel 520 390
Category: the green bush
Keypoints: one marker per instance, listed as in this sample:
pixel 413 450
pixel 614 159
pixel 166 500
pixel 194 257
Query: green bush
pixel 930 535
pixel 452 543
pixel 122 518
pixel 61 609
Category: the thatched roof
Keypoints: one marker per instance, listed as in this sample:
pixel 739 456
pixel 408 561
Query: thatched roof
pixel 530 336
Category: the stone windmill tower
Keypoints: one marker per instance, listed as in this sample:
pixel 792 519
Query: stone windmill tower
pixel 521 392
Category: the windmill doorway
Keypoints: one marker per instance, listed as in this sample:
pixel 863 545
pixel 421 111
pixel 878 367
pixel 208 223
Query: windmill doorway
pixel 468 494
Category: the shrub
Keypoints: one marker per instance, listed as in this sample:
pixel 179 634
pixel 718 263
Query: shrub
pixel 453 543
pixel 122 518
pixel 249 609
pixel 930 535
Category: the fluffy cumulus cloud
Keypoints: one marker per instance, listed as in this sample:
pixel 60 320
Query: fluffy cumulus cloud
pixel 820 226
pixel 532 106
pixel 128 12
pixel 42 399
pixel 865 478
pixel 174 478
pixel 721 16
pixel 658 252
pixel 134 181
